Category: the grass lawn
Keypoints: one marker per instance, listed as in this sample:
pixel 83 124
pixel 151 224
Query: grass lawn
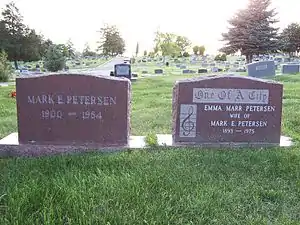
pixel 186 186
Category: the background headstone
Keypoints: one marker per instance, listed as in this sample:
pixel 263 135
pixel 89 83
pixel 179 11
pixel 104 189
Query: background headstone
pixel 261 69
pixel 202 71
pixel 122 70
pixel 290 68
pixel 67 109
pixel 214 69
pixel 227 110
pixel 158 71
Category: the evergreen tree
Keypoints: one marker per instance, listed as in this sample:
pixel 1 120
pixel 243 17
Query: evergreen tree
pixel 137 49
pixel 290 39
pixel 252 30
pixel 14 30
pixel 111 42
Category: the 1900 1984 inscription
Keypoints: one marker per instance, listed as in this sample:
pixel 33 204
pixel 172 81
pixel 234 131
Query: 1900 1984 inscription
pixel 74 109
pixel 229 110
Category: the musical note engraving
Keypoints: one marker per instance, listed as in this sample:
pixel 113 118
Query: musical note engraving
pixel 188 116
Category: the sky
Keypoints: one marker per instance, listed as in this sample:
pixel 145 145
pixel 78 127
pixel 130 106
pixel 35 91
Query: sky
pixel 201 21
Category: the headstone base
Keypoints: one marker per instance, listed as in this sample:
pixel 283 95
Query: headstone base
pixel 10 147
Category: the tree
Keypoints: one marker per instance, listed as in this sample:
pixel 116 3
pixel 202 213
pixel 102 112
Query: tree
pixel 46 44
pixel 145 53
pixel 5 67
pixel 165 43
pixel 196 49
pixel 70 49
pixel 183 43
pixel 170 49
pixel 55 59
pixel 201 50
pixel 137 49
pixel 290 39
pixel 186 54
pixel 14 30
pixel 252 30
pixel 17 40
pixel 221 57
pixel 151 54
pixel 87 51
pixel 31 49
pixel 111 42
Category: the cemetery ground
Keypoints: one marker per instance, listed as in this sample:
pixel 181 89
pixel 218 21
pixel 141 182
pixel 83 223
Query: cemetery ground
pixel 155 186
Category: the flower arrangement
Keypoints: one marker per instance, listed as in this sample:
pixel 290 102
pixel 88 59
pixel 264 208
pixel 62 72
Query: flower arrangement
pixel 13 94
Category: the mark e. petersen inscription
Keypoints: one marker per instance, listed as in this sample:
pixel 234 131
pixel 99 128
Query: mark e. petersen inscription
pixel 74 109
pixel 53 99
pixel 72 99
pixel 229 109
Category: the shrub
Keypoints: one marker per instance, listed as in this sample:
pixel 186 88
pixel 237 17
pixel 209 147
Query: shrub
pixel 5 67
pixel 221 57
pixel 151 140
pixel 185 54
pixel 54 59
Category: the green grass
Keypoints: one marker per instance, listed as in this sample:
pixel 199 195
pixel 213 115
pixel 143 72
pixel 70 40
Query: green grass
pixel 8 112
pixel 183 186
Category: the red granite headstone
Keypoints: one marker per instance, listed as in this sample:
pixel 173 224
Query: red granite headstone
pixel 71 109
pixel 227 110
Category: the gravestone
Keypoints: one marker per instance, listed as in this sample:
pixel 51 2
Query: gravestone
pixel 202 71
pixel 188 71
pixel 261 69
pixel 122 70
pixel 73 110
pixel 158 71
pixel 214 69
pixel 227 110
pixel 290 68
pixel 241 70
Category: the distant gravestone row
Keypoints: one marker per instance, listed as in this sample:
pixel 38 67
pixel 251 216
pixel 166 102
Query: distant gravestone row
pixel 268 68
pixel 94 112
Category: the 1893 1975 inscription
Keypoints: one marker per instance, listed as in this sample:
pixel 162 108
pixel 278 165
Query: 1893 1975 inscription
pixel 227 109
pixel 73 109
